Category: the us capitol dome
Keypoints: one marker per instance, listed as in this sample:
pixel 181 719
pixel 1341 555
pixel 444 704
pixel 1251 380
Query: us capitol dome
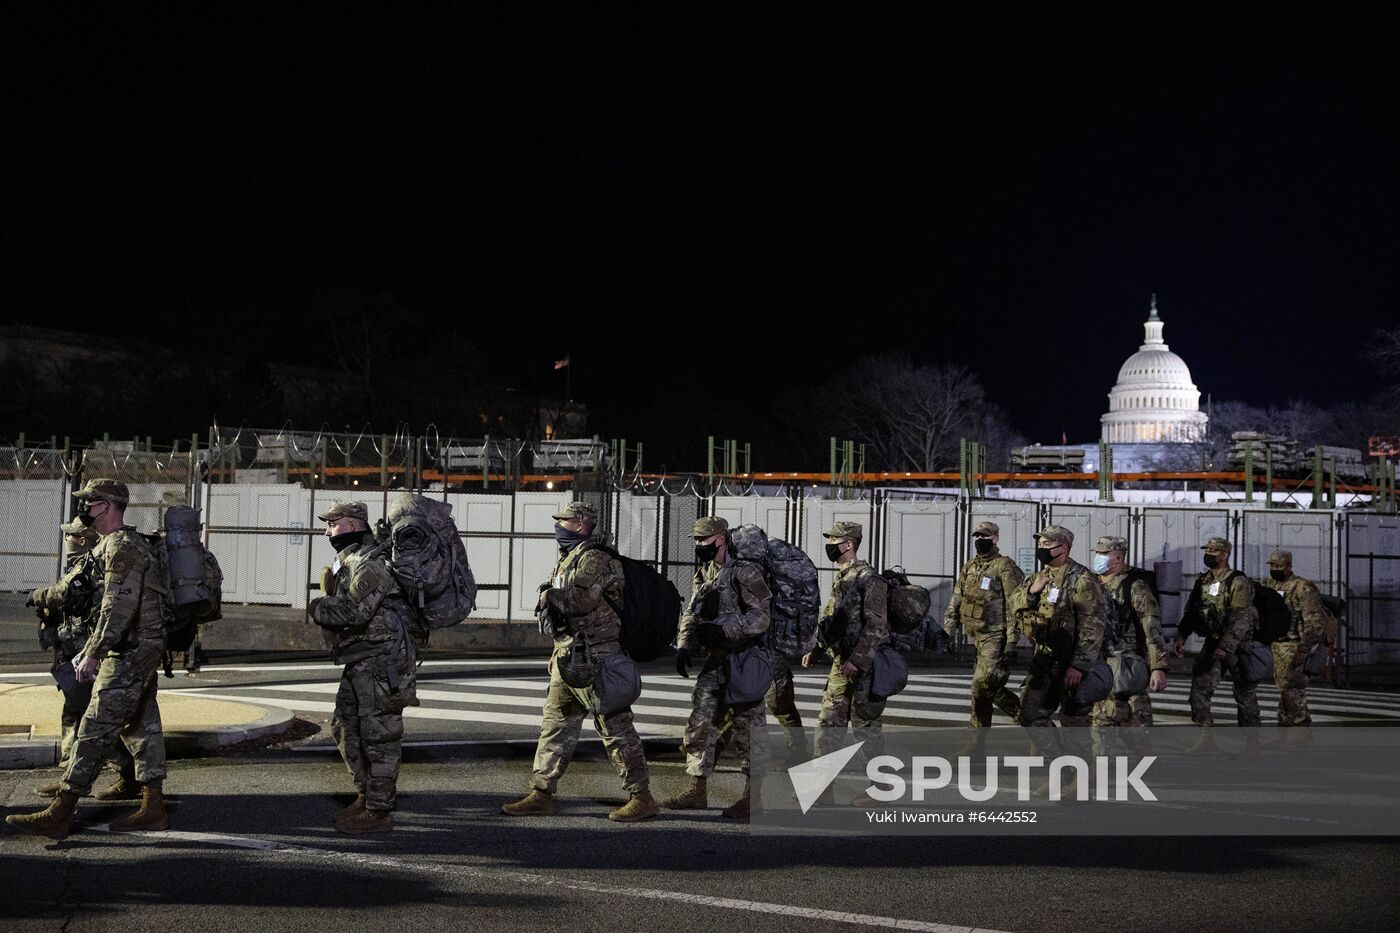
pixel 1154 401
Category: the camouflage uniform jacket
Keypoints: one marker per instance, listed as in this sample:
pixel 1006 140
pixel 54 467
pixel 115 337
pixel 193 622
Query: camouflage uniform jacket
pixel 1139 619
pixel 366 615
pixel 1304 607
pixel 735 596
pixel 861 594
pixel 65 598
pixel 1074 602
pixel 135 604
pixel 1228 613
pixel 586 585
pixel 980 593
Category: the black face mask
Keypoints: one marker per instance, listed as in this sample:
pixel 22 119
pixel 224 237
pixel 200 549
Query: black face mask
pixel 833 552
pixel 1279 575
pixel 85 513
pixel 342 541
pixel 566 539
pixel 1211 561
pixel 983 545
pixel 704 553
pixel 1045 554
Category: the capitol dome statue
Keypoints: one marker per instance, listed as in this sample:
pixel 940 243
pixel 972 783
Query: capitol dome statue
pixel 1154 401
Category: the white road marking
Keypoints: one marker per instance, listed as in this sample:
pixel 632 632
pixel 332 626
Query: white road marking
pixel 527 880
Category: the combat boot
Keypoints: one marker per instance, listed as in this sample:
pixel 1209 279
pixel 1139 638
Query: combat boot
pixel 1205 744
pixel 365 821
pixel 693 797
pixel 125 788
pixel 748 804
pixel 55 821
pixel 49 790
pixel 536 803
pixel 151 817
pixel 358 804
pixel 642 806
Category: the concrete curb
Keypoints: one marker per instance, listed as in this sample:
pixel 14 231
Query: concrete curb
pixel 43 752
pixel 28 753
pixel 207 741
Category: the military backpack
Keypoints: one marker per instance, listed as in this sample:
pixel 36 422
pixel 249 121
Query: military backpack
pixel 650 610
pixel 792 580
pixel 423 549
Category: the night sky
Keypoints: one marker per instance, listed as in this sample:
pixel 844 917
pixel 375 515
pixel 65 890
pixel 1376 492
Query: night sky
pixel 723 196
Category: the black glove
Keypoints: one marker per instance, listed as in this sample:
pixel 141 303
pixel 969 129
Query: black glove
pixel 710 634
pixel 29 603
pixel 683 663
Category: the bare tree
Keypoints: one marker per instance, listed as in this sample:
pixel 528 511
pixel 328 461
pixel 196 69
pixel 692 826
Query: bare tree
pixel 910 416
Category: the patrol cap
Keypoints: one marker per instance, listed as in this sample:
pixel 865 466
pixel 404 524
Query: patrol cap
pixel 986 528
pixel 1110 543
pixel 111 489
pixel 578 511
pixel 76 527
pixel 852 530
pixel 339 510
pixel 707 525
pixel 1216 543
pixel 1279 556
pixel 1055 533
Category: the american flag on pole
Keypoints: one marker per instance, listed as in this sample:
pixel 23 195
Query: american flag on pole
pixel 560 364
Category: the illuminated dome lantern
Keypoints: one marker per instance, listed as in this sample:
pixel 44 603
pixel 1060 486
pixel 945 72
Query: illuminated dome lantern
pixel 1155 401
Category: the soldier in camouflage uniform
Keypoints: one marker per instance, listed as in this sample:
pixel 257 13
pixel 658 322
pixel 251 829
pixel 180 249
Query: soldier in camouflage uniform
pixel 368 627
pixel 1063 610
pixel 1221 609
pixel 729 608
pixel 1139 631
pixel 69 608
pixel 579 607
pixel 855 622
pixel 978 607
pixel 124 653
pixel 1305 630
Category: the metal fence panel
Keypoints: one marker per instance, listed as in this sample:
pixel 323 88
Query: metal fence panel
pixel 31 545
pixel 534 557
pixel 638 526
pixel 767 512
pixel 1091 522
pixel 484 522
pixel 1309 535
pixel 921 536
pixel 1372 581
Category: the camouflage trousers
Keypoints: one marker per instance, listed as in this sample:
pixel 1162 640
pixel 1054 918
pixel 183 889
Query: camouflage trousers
pixel 1205 677
pixel 76 699
pixel 1292 685
pixel 1043 693
pixel 708 711
pixel 847 701
pixel 368 728
pixel 989 679
pixel 560 724
pixel 122 710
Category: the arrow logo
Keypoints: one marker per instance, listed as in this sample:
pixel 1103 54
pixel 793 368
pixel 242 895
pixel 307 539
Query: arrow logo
pixel 811 778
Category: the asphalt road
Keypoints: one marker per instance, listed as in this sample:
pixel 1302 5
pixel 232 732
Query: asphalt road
pixel 253 847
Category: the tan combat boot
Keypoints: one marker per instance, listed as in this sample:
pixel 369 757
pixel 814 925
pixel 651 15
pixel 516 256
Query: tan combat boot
pixel 151 817
pixel 125 788
pixel 1205 744
pixel 642 806
pixel 49 790
pixel 747 804
pixel 536 803
pixel 693 797
pixel 365 821
pixel 358 804
pixel 55 821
